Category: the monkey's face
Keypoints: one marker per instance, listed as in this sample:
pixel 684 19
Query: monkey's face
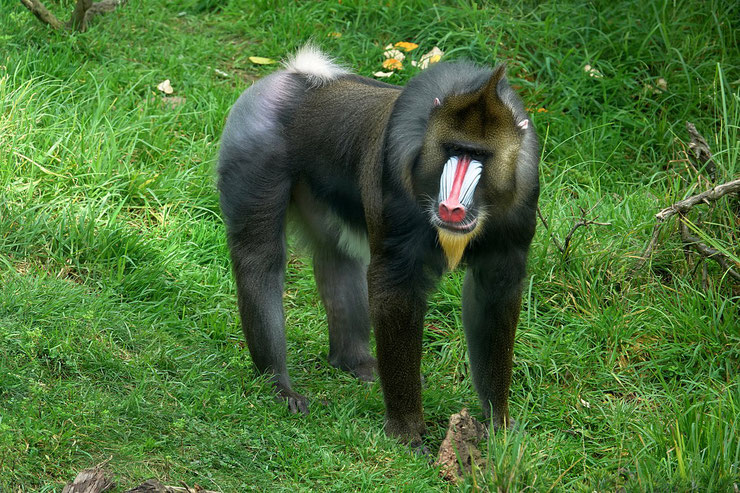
pixel 467 167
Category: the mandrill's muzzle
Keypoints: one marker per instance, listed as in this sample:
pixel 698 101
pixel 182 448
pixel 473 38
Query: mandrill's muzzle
pixel 457 185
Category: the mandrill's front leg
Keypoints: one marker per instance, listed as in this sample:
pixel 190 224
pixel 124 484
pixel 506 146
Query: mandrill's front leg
pixel 491 304
pixel 398 314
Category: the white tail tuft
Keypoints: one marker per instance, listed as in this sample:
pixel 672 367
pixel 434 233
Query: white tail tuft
pixel 316 66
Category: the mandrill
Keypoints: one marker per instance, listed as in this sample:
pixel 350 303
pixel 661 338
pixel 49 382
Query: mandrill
pixel 391 186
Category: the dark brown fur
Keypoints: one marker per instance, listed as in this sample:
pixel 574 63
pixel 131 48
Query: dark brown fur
pixel 351 155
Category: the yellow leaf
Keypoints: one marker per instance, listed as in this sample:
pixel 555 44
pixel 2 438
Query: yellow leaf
pixel 261 60
pixel 405 46
pixel 391 53
pixel 435 58
pixel 165 87
pixel 392 64
pixel 147 182
pixel 334 35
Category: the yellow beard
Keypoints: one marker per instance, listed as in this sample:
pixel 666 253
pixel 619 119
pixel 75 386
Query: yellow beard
pixel 454 245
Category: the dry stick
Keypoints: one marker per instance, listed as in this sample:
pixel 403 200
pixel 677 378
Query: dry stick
pixel 704 250
pixel 77 21
pixel 681 208
pixel 42 13
pixel 699 145
pixel 102 7
pixel 710 195
pixel 582 222
pixel 547 227
pixel 83 12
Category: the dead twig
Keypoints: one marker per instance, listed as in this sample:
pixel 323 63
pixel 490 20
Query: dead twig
pixel 702 159
pixel 582 221
pixel 702 154
pixel 94 480
pixel 77 21
pixel 682 207
pixel 42 13
pixel 704 250
pixel 84 10
pixel 706 197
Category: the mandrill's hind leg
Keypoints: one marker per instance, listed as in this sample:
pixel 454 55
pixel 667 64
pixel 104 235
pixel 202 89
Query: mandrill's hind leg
pixel 342 284
pixel 258 253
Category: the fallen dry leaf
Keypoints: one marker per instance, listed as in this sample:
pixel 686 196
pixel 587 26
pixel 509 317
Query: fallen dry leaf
pixel 433 56
pixel 592 71
pixel 406 46
pixel 334 35
pixel 382 74
pixel 661 85
pixel 165 87
pixel 392 64
pixel 259 60
pixel 391 52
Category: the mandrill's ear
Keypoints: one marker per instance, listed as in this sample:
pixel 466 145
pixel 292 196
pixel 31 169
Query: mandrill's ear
pixel 489 92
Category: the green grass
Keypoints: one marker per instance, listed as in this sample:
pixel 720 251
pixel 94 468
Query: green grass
pixel 119 337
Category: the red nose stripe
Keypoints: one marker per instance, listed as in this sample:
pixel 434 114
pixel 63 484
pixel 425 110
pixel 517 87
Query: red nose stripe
pixel 451 210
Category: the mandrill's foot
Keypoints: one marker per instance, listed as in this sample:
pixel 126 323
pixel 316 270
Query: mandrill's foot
pixel 364 370
pixel 296 402
pixel 499 422
pixel 409 430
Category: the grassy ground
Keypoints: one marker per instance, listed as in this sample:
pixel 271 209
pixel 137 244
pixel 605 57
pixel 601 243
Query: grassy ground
pixel 119 339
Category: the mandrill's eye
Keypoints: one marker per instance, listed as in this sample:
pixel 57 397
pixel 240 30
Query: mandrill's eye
pixel 475 152
pixel 452 150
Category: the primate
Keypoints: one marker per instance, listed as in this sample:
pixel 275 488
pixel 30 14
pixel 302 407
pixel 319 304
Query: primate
pixel 391 186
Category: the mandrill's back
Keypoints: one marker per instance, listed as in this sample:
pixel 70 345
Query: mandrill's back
pixel 311 124
pixel 337 123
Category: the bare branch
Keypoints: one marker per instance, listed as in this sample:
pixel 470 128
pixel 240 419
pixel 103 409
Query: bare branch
pixel 581 222
pixel 705 250
pixel 42 13
pixel 683 207
pixel 77 21
pixel 710 195
pixel 547 227
pixel 702 154
pixel 102 7
pixel 83 12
